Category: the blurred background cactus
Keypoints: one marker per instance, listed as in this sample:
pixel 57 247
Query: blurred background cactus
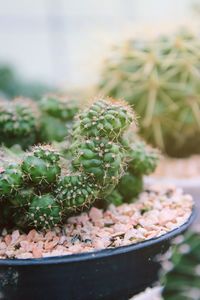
pixel 161 79
pixel 182 272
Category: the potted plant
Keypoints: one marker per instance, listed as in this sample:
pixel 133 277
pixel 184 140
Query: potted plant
pixel 51 250
pixel 161 79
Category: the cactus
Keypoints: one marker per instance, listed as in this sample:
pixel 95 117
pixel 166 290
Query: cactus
pixel 99 152
pixel 18 122
pixel 57 117
pixel 106 119
pixel 161 79
pixel 35 193
pixel 11 180
pixel 100 159
pixel 44 212
pixel 129 186
pixel 97 147
pixel 143 159
pixel 181 273
pixel 76 191
pixel 59 107
pixel 41 166
pixel 114 198
pixel 27 186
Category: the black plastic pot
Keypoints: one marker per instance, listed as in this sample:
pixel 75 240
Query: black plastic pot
pixel 111 274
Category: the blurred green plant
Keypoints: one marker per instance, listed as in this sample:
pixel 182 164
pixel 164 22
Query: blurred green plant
pixel 181 275
pixel 11 85
pixel 161 80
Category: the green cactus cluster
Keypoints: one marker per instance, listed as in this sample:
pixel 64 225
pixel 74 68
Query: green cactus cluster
pixel 25 122
pixel 57 117
pixel 26 189
pixel 18 122
pixel 41 188
pixel 39 192
pixel 161 79
pixel 181 273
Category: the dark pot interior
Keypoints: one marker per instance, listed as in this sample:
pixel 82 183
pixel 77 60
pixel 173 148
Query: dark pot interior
pixel 111 274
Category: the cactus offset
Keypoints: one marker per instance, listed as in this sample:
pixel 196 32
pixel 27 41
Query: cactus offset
pixel 130 186
pixel 18 122
pixel 100 159
pixel 143 159
pixel 76 191
pixel 59 107
pixel 44 212
pixel 41 166
pixel 161 79
pixel 11 180
pixel 114 198
pixel 106 118
pixel 57 117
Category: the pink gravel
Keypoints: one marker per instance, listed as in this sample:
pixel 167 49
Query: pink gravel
pixel 156 212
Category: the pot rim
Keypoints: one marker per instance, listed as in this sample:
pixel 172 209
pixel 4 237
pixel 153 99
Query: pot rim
pixel 70 258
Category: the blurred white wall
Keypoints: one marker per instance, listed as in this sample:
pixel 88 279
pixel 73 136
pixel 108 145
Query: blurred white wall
pixel 62 42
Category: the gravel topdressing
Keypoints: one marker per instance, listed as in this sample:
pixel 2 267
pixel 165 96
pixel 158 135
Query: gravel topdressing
pixel 157 211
